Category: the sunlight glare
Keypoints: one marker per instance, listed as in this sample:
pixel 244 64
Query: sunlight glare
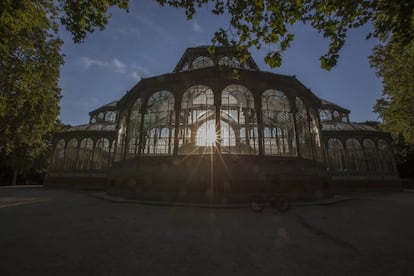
pixel 206 135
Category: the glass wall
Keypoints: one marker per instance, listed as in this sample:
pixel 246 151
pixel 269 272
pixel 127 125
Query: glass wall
pixel 159 124
pixel 101 154
pixel 58 154
pixel 302 127
pixel 359 156
pixel 385 155
pixel 134 127
pixel 71 154
pixel 202 62
pixel 197 126
pixel 336 158
pixel 121 136
pixel 316 137
pixel 370 155
pixel 355 156
pixel 238 124
pixel 278 126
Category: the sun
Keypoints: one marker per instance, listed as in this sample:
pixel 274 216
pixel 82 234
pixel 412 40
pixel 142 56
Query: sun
pixel 206 134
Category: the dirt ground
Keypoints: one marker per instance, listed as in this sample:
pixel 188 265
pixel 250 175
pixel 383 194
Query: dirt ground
pixel 58 232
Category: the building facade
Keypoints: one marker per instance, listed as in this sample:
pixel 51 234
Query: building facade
pixel 216 129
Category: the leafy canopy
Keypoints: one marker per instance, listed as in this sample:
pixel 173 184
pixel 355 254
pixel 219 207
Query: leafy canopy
pixel 266 22
pixel 395 64
pixel 258 23
pixel 30 61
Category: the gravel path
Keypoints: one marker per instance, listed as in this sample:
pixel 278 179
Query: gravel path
pixel 57 232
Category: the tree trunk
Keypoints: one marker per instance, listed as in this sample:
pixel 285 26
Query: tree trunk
pixel 14 180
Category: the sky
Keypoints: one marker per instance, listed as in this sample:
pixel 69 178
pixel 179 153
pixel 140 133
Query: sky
pixel 149 41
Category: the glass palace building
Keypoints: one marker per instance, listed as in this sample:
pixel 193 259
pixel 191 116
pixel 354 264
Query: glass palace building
pixel 218 130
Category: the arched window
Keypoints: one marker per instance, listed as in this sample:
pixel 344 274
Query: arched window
pixel 58 154
pixel 160 116
pixel 229 62
pixel 344 118
pixel 197 109
pixel 278 131
pixel 134 127
pixel 302 128
pixel 356 162
pixel 386 158
pixel 185 67
pixel 101 117
pixel 202 62
pixel 336 159
pixel 370 155
pixel 110 117
pixel 85 154
pixel 325 115
pixel 101 154
pixel 336 115
pixel 237 112
pixel 71 154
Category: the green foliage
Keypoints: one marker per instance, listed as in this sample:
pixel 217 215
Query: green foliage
pixel 258 23
pixel 395 64
pixel 83 16
pixel 255 23
pixel 30 61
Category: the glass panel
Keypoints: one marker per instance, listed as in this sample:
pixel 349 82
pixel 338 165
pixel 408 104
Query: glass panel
pixel 336 158
pixel 159 123
pixel 100 116
pixel 278 132
pixel 229 62
pixel 58 154
pixel 206 134
pixel 370 155
pixel 185 67
pixel 302 127
pixel 197 118
pixel 315 137
pixel 134 127
pixel 71 154
pixel 202 62
pixel 101 154
pixel 121 137
pixel 85 154
pixel 110 117
pixel 356 161
pixel 325 115
pixel 237 114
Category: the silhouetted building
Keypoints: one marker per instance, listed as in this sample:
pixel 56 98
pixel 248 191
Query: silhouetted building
pixel 209 132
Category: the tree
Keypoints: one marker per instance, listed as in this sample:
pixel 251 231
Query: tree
pixel 395 64
pixel 258 23
pixel 30 61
